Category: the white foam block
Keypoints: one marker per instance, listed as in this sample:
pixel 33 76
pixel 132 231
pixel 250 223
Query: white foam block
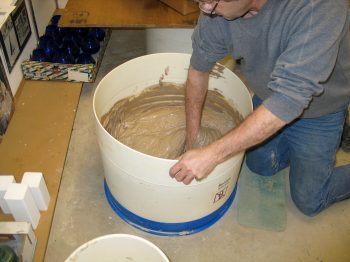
pixel 38 188
pixel 5 181
pixel 22 205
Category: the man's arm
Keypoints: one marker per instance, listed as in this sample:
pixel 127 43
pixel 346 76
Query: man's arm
pixel 196 90
pixel 198 163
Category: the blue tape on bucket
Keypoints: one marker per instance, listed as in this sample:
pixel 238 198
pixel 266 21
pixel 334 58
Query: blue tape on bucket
pixel 167 229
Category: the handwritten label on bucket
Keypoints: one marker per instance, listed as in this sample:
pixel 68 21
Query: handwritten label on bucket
pixel 221 193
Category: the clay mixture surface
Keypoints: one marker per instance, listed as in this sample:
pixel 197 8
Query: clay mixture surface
pixel 153 122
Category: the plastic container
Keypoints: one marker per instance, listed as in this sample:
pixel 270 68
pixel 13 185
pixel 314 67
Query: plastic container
pixel 118 247
pixel 138 186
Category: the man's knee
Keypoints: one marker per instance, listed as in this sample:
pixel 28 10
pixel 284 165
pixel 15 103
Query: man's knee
pixel 308 205
pixel 262 167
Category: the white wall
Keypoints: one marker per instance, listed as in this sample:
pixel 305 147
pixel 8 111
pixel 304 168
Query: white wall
pixel 43 10
pixel 62 3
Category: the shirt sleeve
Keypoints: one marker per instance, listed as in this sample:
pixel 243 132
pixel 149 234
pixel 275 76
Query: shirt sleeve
pixel 208 43
pixel 308 58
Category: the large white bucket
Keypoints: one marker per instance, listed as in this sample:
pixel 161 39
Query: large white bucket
pixel 118 247
pixel 138 186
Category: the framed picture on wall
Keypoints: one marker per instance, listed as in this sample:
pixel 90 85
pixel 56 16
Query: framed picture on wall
pixel 9 43
pixel 14 34
pixel 21 22
pixel 6 102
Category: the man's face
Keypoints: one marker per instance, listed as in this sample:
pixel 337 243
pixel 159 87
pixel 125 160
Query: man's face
pixel 232 9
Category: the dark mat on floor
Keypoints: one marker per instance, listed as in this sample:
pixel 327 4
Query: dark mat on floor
pixel 261 200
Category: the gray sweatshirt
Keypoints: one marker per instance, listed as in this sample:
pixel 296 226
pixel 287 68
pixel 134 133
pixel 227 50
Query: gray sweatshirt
pixel 295 54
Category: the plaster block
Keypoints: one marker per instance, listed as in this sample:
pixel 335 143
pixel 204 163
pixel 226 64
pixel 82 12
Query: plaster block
pixel 38 188
pixel 5 181
pixel 22 205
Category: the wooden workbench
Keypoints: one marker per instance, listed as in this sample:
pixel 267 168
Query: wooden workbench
pixel 37 139
pixel 124 14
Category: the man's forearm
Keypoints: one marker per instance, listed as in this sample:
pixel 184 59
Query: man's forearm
pixel 196 90
pixel 257 127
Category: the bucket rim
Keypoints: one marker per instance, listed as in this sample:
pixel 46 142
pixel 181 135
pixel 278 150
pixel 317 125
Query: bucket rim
pixel 72 256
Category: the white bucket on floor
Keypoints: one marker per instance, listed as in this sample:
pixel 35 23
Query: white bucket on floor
pixel 138 186
pixel 118 247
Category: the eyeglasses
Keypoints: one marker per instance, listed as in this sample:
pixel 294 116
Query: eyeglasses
pixel 205 6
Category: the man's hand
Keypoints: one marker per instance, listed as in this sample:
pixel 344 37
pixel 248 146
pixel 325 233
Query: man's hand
pixel 194 164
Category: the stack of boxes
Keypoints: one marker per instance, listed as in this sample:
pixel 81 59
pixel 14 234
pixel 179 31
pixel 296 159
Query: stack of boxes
pixel 24 200
pixel 66 53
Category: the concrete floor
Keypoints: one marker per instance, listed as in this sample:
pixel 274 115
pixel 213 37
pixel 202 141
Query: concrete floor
pixel 82 212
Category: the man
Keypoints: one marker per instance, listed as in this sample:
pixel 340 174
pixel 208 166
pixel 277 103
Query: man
pixel 295 55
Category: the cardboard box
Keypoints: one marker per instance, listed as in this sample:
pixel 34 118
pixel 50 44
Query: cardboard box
pixel 22 205
pixel 20 237
pixel 182 6
pixel 35 70
pixel 5 181
pixel 38 188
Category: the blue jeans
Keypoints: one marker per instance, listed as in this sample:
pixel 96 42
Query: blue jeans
pixel 309 147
